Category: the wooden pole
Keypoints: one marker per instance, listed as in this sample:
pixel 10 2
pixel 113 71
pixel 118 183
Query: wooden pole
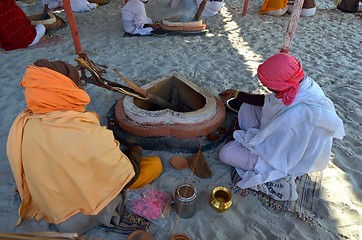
pixel 73 26
pixel 200 10
pixel 292 25
pixel 245 8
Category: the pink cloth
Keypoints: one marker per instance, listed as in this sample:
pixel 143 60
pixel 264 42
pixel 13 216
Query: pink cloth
pixel 150 203
pixel 282 73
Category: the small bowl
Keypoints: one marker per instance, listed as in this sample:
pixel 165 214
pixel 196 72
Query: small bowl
pixel 223 130
pixel 179 162
pixel 221 199
pixel 212 137
pixel 139 235
pixel 178 236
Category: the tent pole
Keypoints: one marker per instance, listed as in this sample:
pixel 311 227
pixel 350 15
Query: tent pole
pixel 73 26
pixel 292 25
pixel 245 7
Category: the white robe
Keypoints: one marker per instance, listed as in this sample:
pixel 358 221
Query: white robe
pixel 134 16
pixel 292 140
pixel 211 9
pixel 77 5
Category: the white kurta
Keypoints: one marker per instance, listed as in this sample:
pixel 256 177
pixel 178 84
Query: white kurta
pixel 292 140
pixel 77 5
pixel 211 9
pixel 134 16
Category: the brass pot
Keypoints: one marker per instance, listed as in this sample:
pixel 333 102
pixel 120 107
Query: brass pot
pixel 221 199
pixel 178 236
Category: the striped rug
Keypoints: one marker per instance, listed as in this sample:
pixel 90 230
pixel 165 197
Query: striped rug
pixel 304 208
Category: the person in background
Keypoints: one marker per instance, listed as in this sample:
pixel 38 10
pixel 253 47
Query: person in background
pixel 274 7
pixel 350 6
pixel 308 8
pixel 135 20
pixel 69 170
pixel 284 134
pixel 77 5
pixel 212 7
pixel 25 3
pixel 16 30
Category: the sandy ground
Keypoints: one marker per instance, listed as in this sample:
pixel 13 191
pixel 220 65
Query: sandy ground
pixel 329 47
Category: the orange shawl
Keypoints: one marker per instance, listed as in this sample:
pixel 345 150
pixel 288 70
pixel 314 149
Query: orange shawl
pixel 63 162
pixel 47 90
pixel 270 5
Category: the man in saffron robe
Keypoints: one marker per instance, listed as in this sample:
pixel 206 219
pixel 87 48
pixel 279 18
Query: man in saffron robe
pixel 284 134
pixel 16 30
pixel 274 7
pixel 69 170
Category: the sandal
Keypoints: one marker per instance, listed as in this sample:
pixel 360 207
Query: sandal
pixel 129 223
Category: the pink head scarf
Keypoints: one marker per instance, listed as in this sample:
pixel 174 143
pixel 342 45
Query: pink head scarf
pixel 282 73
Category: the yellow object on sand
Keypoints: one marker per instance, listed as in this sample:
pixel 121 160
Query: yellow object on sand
pixel 270 5
pixel 151 168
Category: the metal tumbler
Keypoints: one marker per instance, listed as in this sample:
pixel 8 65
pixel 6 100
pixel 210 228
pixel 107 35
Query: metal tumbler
pixel 185 200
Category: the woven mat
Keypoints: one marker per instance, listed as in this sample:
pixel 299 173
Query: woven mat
pixel 304 208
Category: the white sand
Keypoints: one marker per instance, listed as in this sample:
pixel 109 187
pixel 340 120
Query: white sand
pixel 329 47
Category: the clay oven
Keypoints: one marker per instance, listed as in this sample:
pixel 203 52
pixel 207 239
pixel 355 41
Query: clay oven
pixel 200 113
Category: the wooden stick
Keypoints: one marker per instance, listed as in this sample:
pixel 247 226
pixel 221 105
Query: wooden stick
pixel 38 236
pixel 148 96
pixel 200 10
pixel 132 85
pixel 292 25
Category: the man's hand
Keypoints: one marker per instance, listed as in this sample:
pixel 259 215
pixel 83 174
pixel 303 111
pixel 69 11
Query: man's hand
pixel 227 94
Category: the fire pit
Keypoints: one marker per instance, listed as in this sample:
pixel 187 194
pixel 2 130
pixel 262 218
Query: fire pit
pixel 135 121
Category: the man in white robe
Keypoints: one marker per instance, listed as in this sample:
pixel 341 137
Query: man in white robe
pixel 284 134
pixel 77 5
pixel 135 20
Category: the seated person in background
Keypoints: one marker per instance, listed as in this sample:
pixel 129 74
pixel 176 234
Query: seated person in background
pixel 16 30
pixel 77 5
pixel 212 7
pixel 284 134
pixel 350 6
pixel 25 3
pixel 69 169
pixel 308 9
pixel 135 20
pixel 274 7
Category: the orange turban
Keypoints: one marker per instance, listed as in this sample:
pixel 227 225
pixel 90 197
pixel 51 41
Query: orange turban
pixel 282 73
pixel 47 90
